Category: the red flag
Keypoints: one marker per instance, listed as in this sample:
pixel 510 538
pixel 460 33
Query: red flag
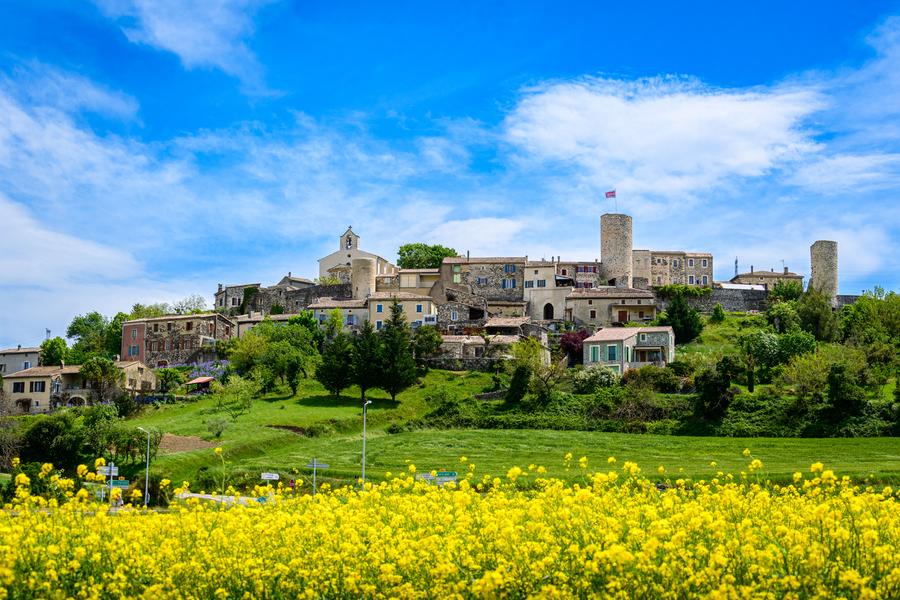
pixel 611 194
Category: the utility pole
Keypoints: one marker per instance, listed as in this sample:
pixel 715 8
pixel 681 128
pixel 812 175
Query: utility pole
pixel 365 407
pixel 147 471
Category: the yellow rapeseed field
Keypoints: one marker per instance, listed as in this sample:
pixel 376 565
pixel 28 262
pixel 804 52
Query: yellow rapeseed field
pixel 520 535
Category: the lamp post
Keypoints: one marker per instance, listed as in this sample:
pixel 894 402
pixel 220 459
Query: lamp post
pixel 147 471
pixel 365 404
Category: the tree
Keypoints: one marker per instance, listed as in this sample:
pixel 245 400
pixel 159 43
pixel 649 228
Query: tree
pixel 89 332
pixel 366 359
pixel 423 256
pixel 149 311
pixel 785 290
pixel 328 280
pixel 718 314
pixel 572 343
pixel 236 396
pixel 427 343
pixel 334 323
pixel 528 356
pixel 758 349
pixel 846 396
pixel 795 343
pixel 113 337
pixel 684 320
pixel 399 365
pixel 195 303
pixel 714 391
pixel 103 376
pixel 169 379
pixel 783 316
pixel 591 379
pixel 247 351
pixel 816 316
pixel 335 372
pixel 307 320
pixel 54 351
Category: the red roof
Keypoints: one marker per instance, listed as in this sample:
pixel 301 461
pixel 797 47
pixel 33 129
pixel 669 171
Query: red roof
pixel 201 380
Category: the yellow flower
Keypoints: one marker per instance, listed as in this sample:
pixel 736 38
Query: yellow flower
pixel 412 468
pixel 713 464
pixel 611 460
pixel 82 470
pixel 164 483
pixel 218 451
pixel 583 462
pixel 755 465
pixel 661 470
pixel 22 479
pixel 816 467
pixel 797 476
pixel 100 462
pixel 463 459
pixel 15 462
pixel 513 473
pixel 746 453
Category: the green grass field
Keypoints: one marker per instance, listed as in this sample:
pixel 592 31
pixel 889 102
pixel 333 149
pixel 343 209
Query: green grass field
pixel 252 444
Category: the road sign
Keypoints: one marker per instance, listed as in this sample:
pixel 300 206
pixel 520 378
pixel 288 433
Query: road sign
pixel 109 471
pixel 316 465
pixel 425 477
pixel 445 477
pixel 120 483
pixel 270 476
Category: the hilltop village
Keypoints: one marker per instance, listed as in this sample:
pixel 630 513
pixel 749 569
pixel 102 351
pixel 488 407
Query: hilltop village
pixel 506 297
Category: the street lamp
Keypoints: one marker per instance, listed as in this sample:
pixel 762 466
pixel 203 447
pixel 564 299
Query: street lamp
pixel 147 471
pixel 367 403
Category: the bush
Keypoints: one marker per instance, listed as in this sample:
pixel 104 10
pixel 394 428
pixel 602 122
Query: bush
pixel 591 379
pixel 718 314
pixel 216 426
pixel 656 378
pixel 681 368
pixel 518 384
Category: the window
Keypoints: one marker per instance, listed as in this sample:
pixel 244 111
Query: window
pixel 641 315
pixel 481 280
pixel 418 308
pixel 508 284
pixel 351 320
pixel 691 279
pixel 659 280
pixel 222 301
pixel 227 330
pixel 509 268
pixel 529 284
pixel 590 302
pixel 168 327
pixel 593 314
pixel 675 262
pixel 18 387
pixel 595 353
pixel 542 283
pixel 704 262
pixel 378 325
pixel 454 316
pixel 690 262
pixel 565 272
pixel 457 278
pixel 37 386
pixel 535 271
pixel 189 326
pixel 134 333
pixel 642 337
pixel 37 403
pixel 627 353
pixel 132 350
pixel 457 268
pixel 615 368
pixel 379 308
pixel 156 327
pixel 26 365
pixel 2 368
pixel 234 301
pixel 705 280
pixel 612 353
pixel 132 383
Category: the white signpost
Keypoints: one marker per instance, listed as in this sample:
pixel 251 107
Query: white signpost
pixel 109 472
pixel 269 476
pixel 315 465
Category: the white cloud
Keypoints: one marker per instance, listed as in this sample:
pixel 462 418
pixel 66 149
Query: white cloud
pixel 664 136
pixel 204 33
pixel 482 236
pixel 848 174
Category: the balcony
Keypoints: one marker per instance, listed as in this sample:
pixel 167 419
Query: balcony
pixel 639 364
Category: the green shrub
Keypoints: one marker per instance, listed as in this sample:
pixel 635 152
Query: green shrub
pixel 518 384
pixel 656 378
pixel 718 314
pixel 591 379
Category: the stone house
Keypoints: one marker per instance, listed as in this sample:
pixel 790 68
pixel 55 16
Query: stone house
pixel 668 267
pixel 247 322
pixel 416 281
pixel 418 308
pixel 230 298
pixel 338 263
pixel 624 348
pixel 17 359
pixel 585 274
pixel 175 339
pixel 353 312
pixel 468 347
pixel 605 306
pixel 767 279
pixel 491 278
pixel 42 389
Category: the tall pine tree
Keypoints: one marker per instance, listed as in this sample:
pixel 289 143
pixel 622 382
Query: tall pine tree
pixel 335 372
pixel 366 360
pixel 399 365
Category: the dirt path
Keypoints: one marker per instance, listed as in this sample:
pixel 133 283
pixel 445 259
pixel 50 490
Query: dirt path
pixel 183 443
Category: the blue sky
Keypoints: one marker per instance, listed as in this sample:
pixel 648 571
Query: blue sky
pixel 150 149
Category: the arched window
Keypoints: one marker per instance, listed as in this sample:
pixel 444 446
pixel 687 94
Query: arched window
pixel 548 312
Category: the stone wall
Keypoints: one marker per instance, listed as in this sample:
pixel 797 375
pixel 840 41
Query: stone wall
pixel 492 276
pixel 731 300
pixel 842 300
pixel 465 364
pixel 296 300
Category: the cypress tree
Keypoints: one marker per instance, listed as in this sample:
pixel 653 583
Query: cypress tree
pixel 399 365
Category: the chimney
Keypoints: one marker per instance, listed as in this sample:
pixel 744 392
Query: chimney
pixel 751 268
pixel 467 256
pixel 20 347
pixel 785 271
pixel 289 274
pixel 220 287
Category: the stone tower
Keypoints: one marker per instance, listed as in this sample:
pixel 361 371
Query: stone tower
pixel 824 261
pixel 616 249
pixel 362 277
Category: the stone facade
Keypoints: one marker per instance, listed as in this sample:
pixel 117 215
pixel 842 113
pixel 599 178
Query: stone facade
pixel 824 263
pixel 767 279
pixel 18 359
pixel 602 307
pixel 489 278
pixel 229 298
pixel 616 249
pixel 730 299
pixel 674 267
pixel 175 339
pixel 294 300
pixel 338 263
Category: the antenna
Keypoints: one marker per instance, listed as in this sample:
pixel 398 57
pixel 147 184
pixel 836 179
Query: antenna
pixel 735 266
pixel 48 333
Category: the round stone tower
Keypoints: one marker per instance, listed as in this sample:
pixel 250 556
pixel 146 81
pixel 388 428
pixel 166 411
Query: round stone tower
pixel 362 277
pixel 824 262
pixel 615 249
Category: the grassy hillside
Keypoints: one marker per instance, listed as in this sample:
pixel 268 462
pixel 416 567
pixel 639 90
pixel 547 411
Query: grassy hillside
pixel 330 430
